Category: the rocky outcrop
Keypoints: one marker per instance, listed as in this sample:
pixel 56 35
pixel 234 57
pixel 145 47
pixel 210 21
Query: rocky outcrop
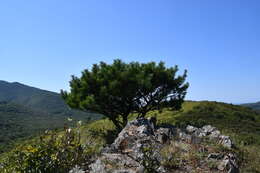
pixel 210 132
pixel 143 146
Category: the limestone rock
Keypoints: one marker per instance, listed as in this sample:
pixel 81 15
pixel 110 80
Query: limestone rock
pixel 191 129
pixel 142 138
pixel 225 141
pixel 97 167
pixel 76 169
pixel 208 131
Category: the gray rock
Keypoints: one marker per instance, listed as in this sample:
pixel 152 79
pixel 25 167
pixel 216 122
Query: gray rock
pixel 191 129
pixel 223 165
pixel 200 133
pixel 163 135
pixel 195 139
pixel 76 169
pixel 129 150
pixel 215 134
pixel 225 141
pixel 97 167
pixel 161 169
pixel 216 156
pixel 208 129
pixel 229 163
pixel 144 130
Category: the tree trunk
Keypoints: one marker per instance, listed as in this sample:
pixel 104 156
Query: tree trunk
pixel 117 124
pixel 125 120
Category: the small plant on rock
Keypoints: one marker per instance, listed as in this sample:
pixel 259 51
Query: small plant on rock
pixel 149 162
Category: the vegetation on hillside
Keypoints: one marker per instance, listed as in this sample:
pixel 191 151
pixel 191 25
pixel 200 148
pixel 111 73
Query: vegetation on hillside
pixel 254 106
pixel 51 152
pixel 26 111
pixel 38 100
pixel 18 122
pixel 241 123
pixel 120 89
pixel 233 119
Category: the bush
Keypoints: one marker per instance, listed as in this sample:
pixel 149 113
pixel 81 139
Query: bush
pixel 53 152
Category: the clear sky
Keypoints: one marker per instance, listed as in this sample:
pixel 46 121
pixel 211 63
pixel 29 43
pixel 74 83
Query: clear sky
pixel 44 42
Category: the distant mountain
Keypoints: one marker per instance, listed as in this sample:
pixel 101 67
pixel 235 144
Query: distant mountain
pixel 34 98
pixel 255 106
pixel 25 111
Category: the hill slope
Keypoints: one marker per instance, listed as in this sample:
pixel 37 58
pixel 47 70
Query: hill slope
pixel 34 98
pixel 17 121
pixel 240 123
pixel 26 111
pixel 255 106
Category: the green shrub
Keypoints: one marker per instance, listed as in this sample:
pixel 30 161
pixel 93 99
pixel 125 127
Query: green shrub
pixel 53 152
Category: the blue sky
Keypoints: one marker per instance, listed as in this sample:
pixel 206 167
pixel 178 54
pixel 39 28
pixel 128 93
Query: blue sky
pixel 44 42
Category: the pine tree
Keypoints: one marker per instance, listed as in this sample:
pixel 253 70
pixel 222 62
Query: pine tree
pixel 119 89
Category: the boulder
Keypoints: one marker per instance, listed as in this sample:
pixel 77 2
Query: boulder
pixel 191 129
pixel 225 141
pixel 208 129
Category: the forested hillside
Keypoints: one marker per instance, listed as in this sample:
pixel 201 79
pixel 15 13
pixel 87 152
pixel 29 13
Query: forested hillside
pixel 36 99
pixel 25 111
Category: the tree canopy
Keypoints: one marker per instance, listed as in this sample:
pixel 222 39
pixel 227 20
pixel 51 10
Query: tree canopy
pixel 119 89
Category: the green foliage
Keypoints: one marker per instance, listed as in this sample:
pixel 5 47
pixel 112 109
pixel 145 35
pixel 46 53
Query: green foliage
pixel 171 157
pixel 19 122
pixel 53 152
pixel 150 163
pixel 120 89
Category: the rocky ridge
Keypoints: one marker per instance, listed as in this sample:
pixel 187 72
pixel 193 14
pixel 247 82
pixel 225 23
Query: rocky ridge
pixel 142 146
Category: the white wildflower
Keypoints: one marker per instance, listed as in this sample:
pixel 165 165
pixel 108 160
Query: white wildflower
pixel 69 130
pixel 79 123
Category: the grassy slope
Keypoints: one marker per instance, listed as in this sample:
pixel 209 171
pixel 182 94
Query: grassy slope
pixel 230 119
pixel 241 123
